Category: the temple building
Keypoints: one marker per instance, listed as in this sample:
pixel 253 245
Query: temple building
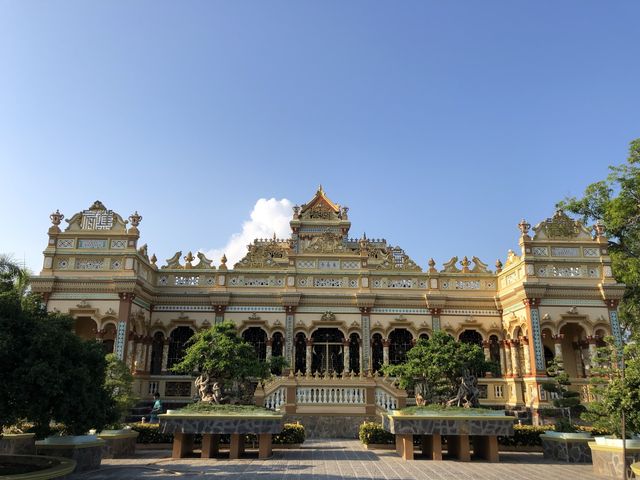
pixel 338 308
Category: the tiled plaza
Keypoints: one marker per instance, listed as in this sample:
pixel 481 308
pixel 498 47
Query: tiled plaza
pixel 333 460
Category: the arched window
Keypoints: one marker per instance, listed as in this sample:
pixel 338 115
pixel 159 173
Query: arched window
pixel 377 353
pixel 400 342
pixel 177 341
pixel 328 351
pixel 300 364
pixel 472 337
pixel 157 346
pixel 258 338
pixel 86 328
pixel 354 353
pixel 424 336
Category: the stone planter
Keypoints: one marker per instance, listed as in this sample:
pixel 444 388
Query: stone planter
pixel 635 468
pixel 86 450
pixel 566 447
pixel 617 442
pixel 119 443
pixel 18 443
pixel 50 467
pixel 607 457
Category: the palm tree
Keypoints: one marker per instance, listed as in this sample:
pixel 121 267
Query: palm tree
pixel 13 277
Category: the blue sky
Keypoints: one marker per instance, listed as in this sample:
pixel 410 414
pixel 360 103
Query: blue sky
pixel 440 124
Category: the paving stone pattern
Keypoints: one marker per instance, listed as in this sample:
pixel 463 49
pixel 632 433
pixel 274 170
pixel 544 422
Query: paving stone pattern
pixel 568 451
pixel 335 460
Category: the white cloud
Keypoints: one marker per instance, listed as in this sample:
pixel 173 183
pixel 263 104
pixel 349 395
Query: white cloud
pixel 267 217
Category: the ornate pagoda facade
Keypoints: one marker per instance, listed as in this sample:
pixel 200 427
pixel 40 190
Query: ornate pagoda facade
pixel 337 308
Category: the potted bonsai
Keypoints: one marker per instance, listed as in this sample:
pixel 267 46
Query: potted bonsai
pixel 616 383
pixel 565 443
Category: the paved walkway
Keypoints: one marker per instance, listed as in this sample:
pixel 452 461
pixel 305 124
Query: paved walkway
pixel 333 460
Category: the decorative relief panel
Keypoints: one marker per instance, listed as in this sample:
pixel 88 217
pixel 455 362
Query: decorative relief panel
pixel 511 278
pixel 116 265
pixel 328 282
pixel 565 251
pixel 566 271
pixel 350 265
pixel 92 243
pixel 90 264
pixel 118 244
pixel 401 283
pixel 97 218
pixel 63 263
pixel 329 264
pixel 187 281
pixel 256 282
pixel 163 280
pixel 65 243
pixel 541 251
pixel 607 271
pixel 306 264
pixel 467 284
pixel 591 252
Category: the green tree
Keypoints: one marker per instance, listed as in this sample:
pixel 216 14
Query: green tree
pixel 46 371
pixel 615 203
pixel 224 360
pixel 613 393
pixel 435 366
pixel 119 383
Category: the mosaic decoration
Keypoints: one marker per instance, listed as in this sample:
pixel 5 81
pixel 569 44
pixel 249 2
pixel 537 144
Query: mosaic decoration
pixel 591 252
pixel 537 339
pixel 121 333
pixel 288 326
pixel 615 326
pixel 435 323
pixel 366 346
pixel 541 251
pixel 350 265
pixel 329 264
pixel 467 284
pixel 402 283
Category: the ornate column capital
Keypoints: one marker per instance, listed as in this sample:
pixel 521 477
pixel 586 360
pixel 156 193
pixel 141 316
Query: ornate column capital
pixel 435 311
pixel 365 310
pixel 126 296
pixel 531 302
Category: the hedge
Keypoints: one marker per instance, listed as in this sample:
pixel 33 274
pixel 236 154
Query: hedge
pixel 523 435
pixel 292 433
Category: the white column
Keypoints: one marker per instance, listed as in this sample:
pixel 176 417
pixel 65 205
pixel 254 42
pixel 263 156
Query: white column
pixel 507 357
pixel 309 347
pixel 515 367
pixel 525 355
pixel 269 350
pixel 165 356
pixel 385 352
pixel 503 364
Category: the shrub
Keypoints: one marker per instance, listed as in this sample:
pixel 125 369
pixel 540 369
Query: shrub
pixel 373 433
pixel 525 436
pixel 292 433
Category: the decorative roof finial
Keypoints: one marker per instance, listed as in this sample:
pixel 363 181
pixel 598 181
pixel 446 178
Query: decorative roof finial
pixel 432 266
pixel 223 262
pixel 524 227
pixel 56 217
pixel 320 190
pixel 154 259
pixel 135 219
pixel 188 259
pixel 498 266
pixel 465 264
pixel 599 228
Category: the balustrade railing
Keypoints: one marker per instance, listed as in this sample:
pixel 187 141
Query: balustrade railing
pixel 385 400
pixel 330 395
pixel 276 399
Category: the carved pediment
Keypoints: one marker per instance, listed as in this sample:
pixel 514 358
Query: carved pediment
pixel 270 254
pixel 320 208
pixel 328 242
pixel 560 226
pixel 97 217
pixel 391 258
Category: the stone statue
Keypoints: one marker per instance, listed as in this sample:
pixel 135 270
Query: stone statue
pixel 468 392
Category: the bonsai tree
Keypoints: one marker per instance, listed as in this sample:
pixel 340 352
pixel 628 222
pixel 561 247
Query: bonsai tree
pixel 439 366
pixel 119 383
pixel 567 401
pixel 615 394
pixel 226 365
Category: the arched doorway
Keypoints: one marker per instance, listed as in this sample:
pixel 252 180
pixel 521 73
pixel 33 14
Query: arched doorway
pixel 157 346
pixel 494 350
pixel 327 351
pixel 472 337
pixel 108 338
pixel 400 342
pixel 258 338
pixel 377 352
pixel 354 353
pixel 177 344
pixel 573 343
pixel 86 328
pixel 300 360
pixel 277 349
